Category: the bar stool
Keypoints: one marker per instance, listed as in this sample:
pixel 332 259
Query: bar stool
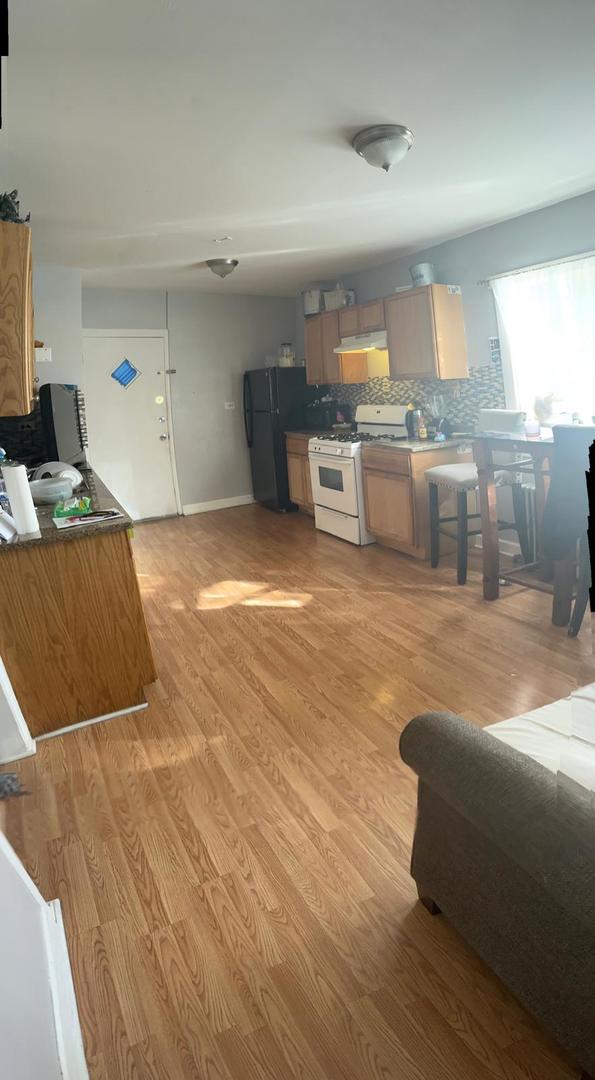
pixel 462 478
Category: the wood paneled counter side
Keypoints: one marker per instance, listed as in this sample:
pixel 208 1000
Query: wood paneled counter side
pixel 395 491
pixel 298 469
pixel 72 634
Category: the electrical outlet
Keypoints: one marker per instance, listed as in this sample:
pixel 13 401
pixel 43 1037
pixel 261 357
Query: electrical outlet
pixel 229 404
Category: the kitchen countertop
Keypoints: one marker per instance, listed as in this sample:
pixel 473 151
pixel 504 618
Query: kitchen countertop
pixel 101 499
pixel 411 446
pixel 416 446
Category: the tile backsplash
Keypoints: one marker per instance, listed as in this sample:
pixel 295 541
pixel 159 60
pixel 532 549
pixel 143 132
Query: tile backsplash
pixel 463 398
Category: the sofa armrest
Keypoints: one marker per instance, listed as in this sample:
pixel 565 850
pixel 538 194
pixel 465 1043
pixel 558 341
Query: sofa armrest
pixel 541 821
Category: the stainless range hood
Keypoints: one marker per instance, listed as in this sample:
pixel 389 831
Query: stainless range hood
pixel 375 339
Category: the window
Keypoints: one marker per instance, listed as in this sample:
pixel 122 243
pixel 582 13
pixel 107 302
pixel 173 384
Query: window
pixel 547 330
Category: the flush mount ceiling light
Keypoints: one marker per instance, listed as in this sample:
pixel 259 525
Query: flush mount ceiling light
pixel 383 145
pixel 222 267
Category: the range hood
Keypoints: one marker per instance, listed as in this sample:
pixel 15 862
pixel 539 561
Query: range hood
pixel 374 339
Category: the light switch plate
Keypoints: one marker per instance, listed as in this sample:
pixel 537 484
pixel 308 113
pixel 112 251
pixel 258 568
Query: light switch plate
pixel 43 356
pixel 229 404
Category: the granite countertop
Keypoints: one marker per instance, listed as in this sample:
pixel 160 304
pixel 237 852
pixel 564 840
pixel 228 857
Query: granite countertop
pixel 416 446
pixel 101 499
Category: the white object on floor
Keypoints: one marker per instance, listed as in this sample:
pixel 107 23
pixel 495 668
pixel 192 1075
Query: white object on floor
pixel 15 738
pixel 560 736
pixel 40 1033
pixel 20 499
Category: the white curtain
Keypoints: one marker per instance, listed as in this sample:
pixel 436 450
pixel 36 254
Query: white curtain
pixel 547 332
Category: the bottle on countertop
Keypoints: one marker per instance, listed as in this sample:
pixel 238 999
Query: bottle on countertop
pixel 415 422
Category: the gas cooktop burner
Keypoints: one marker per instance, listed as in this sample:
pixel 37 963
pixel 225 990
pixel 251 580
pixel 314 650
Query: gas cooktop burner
pixel 340 436
pixel 363 436
pixel 367 436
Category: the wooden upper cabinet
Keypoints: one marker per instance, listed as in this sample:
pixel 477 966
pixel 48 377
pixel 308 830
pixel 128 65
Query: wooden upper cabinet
pixel 322 336
pixel 353 367
pixel 330 339
pixel 314 366
pixel 349 321
pixel 361 318
pixel 17 352
pixel 371 316
pixel 426 334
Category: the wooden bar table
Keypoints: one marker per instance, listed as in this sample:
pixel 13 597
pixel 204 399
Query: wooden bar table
pixel 540 452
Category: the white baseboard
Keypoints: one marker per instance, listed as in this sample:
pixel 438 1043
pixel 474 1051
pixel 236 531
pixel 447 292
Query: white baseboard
pixel 69 1037
pixel 216 504
pixel 506 547
pixel 12 756
pixel 93 720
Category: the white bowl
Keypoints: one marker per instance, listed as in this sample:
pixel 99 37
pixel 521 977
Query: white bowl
pixel 48 492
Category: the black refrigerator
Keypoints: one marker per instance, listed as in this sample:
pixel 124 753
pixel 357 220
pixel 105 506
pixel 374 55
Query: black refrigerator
pixel 274 402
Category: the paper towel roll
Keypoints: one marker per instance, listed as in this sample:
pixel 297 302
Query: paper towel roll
pixel 19 496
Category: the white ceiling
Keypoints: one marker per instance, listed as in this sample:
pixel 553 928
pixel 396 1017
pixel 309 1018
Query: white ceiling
pixel 138 130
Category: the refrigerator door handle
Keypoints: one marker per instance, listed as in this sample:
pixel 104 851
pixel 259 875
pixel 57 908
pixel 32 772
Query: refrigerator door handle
pixel 248 426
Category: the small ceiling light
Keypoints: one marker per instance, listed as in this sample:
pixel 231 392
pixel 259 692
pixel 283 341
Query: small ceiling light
pixel 383 145
pixel 222 267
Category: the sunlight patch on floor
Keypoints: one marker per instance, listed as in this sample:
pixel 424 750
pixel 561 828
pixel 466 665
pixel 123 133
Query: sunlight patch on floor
pixel 249 594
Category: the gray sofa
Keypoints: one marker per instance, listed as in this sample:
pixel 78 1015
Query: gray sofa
pixel 505 849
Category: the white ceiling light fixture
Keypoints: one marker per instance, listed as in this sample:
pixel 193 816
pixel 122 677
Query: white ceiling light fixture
pixel 383 145
pixel 222 267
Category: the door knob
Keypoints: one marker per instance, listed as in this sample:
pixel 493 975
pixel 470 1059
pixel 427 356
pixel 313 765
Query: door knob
pixel 164 438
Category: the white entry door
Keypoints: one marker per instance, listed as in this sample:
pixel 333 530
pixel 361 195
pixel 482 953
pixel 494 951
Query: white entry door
pixel 126 398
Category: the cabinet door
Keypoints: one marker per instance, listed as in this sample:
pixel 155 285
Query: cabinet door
pixel 16 320
pixel 349 321
pixel 295 473
pixel 410 331
pixel 353 367
pixel 389 510
pixel 371 316
pixel 314 365
pixel 449 325
pixel 330 339
pixel 308 496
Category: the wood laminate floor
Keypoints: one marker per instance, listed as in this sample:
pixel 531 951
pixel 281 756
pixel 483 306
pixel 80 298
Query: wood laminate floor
pixel 233 863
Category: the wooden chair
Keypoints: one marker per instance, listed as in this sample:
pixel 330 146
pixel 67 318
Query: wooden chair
pixel 565 524
pixel 462 478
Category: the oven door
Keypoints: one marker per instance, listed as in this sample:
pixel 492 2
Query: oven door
pixel 333 483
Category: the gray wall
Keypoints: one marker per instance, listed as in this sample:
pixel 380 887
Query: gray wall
pixel 57 307
pixel 568 228
pixel 124 309
pixel 213 339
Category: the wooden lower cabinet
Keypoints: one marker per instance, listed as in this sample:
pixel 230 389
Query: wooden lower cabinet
pixel 389 508
pixel 298 471
pixel 396 496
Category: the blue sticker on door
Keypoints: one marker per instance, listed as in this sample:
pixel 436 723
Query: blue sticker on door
pixel 125 373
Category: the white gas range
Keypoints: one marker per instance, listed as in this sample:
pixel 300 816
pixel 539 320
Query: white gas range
pixel 337 475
